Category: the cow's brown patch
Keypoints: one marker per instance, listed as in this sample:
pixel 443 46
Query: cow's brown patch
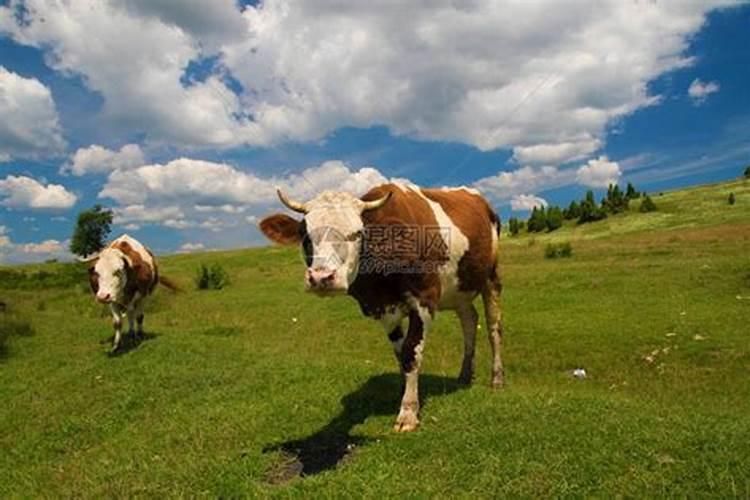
pixel 140 276
pixel 475 219
pixel 375 290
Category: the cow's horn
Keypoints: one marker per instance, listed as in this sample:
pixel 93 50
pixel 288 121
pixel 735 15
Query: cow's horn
pixel 293 205
pixel 372 205
pixel 88 258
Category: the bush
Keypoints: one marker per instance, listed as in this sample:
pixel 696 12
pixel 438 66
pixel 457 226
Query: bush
pixel 554 218
pixel 558 250
pixel 12 326
pixel 731 199
pixel 616 201
pixel 747 172
pixel 647 205
pixel 573 211
pixel 211 278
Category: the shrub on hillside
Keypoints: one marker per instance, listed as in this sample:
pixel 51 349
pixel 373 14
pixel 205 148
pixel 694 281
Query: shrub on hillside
pixel 615 201
pixel 558 250
pixel 731 199
pixel 647 205
pixel 631 193
pixel 573 211
pixel 59 276
pixel 211 278
pixel 747 172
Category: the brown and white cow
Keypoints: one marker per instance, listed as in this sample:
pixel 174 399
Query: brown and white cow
pixel 403 253
pixel 122 275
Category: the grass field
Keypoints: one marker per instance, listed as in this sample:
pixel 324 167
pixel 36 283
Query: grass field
pixel 237 391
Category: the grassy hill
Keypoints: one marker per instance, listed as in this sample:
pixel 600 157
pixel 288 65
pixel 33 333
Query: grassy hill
pixel 236 391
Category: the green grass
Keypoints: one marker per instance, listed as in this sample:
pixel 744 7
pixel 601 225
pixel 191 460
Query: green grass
pixel 233 381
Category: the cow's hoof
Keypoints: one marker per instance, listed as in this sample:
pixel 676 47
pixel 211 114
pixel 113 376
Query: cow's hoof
pixel 465 378
pixel 407 421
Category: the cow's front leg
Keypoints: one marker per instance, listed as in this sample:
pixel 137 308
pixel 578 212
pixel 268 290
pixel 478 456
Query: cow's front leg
pixel 117 312
pixel 411 359
pixel 392 323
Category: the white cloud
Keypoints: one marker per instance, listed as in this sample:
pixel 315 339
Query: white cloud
pixel 25 192
pixel 11 252
pixel 527 202
pixel 29 127
pixel 191 247
pixel 505 185
pixel 552 154
pixel 699 91
pixel 519 75
pixel 600 172
pixel 97 159
pixel 187 193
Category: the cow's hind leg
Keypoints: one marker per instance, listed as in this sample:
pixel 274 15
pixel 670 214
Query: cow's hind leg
pixel 139 320
pixel 411 359
pixel 468 316
pixel 491 299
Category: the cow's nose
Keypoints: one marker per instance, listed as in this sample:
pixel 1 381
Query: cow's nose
pixel 320 277
pixel 103 298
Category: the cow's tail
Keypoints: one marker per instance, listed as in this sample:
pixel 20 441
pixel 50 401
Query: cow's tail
pixel 168 283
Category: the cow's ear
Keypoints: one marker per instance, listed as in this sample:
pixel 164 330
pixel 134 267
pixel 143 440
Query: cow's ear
pixel 282 229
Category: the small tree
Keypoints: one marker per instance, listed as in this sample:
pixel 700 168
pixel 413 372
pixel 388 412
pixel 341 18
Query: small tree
pixel 615 202
pixel 590 210
pixel 573 211
pixel 747 172
pixel 631 193
pixel 514 226
pixel 538 220
pixel 731 199
pixel 554 218
pixel 92 228
pixel 647 205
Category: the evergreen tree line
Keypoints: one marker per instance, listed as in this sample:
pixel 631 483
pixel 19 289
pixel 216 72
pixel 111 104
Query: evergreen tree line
pixel 583 211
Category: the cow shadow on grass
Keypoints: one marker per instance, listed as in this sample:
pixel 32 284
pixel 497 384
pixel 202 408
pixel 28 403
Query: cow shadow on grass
pixel 128 342
pixel 334 443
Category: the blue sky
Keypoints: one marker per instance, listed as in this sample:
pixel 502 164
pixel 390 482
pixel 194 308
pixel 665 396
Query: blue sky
pixel 184 119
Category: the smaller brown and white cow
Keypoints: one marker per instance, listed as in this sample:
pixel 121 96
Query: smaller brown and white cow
pixel 122 275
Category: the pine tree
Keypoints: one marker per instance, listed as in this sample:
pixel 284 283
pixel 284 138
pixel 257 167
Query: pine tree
pixel 590 210
pixel 631 193
pixel 573 211
pixel 554 218
pixel 514 226
pixel 747 172
pixel 538 220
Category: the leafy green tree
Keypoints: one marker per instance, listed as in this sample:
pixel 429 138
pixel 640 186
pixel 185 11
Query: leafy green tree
pixel 631 193
pixel 731 199
pixel 554 218
pixel 92 228
pixel 647 205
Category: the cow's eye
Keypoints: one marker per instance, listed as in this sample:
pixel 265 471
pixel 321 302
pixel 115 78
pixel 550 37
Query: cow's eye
pixel 353 236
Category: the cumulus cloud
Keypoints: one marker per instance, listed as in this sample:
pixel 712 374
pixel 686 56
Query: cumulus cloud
pixel 543 79
pixel 699 91
pixel 25 192
pixel 506 185
pixel 600 172
pixel 527 202
pixel 30 126
pixel 11 252
pixel 187 193
pixel 97 159
pixel 191 247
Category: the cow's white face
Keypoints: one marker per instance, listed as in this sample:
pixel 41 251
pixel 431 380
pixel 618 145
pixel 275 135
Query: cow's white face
pixel 331 235
pixel 108 276
pixel 332 241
